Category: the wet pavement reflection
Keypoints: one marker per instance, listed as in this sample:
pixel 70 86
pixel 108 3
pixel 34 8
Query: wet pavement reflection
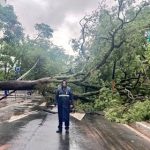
pixel 64 142
pixel 38 132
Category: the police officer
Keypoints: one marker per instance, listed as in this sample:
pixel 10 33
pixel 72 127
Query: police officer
pixel 64 100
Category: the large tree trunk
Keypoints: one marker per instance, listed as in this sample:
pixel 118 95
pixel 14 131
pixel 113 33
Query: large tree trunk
pixel 31 85
pixel 22 84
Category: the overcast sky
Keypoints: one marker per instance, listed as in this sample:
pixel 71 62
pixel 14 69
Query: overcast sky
pixel 62 15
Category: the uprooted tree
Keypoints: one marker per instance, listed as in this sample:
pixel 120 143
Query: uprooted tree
pixel 112 54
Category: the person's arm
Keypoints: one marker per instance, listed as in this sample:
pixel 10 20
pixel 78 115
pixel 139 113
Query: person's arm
pixel 56 97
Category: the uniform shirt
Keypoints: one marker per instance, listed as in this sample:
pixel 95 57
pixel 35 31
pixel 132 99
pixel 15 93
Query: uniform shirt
pixel 64 94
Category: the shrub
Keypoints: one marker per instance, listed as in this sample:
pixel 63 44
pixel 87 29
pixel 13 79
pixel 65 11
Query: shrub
pixel 106 99
pixel 139 111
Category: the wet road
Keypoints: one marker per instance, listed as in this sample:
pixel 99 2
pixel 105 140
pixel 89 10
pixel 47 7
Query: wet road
pixel 37 132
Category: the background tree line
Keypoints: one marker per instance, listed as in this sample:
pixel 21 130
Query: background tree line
pixel 21 50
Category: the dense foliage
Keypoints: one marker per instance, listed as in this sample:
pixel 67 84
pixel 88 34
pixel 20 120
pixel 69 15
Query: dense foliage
pixel 114 42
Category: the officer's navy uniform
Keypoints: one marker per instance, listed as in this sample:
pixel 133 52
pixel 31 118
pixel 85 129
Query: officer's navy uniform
pixel 64 99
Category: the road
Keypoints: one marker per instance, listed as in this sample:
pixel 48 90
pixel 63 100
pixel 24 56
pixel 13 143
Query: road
pixel 38 132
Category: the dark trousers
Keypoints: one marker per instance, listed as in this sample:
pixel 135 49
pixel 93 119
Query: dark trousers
pixel 63 117
pixel 61 124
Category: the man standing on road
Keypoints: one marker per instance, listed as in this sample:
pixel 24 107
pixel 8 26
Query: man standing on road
pixel 64 100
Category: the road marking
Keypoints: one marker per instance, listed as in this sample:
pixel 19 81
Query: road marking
pixel 137 132
pixel 142 124
pixel 15 118
pixel 43 104
pixel 78 116
pixel 4 147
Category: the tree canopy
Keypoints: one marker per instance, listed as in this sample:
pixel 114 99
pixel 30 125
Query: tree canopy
pixel 116 53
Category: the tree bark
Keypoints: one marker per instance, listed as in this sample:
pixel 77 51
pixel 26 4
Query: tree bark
pixel 23 84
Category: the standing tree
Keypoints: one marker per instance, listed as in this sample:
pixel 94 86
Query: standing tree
pixel 44 31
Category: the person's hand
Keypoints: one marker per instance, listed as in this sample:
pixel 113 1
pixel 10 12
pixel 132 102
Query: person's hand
pixel 72 109
pixel 71 106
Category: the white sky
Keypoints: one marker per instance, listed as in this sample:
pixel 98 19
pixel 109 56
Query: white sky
pixel 62 15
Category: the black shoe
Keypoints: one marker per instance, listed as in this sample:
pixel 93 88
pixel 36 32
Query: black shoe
pixel 59 131
pixel 67 131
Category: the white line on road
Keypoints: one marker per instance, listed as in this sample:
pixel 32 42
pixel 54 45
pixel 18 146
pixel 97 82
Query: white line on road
pixel 137 132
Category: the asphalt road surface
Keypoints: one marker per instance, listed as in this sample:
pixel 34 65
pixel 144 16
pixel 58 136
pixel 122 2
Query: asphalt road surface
pixel 38 132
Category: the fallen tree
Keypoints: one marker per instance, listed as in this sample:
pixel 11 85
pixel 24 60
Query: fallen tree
pixel 6 85
pixel 81 78
pixel 34 84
